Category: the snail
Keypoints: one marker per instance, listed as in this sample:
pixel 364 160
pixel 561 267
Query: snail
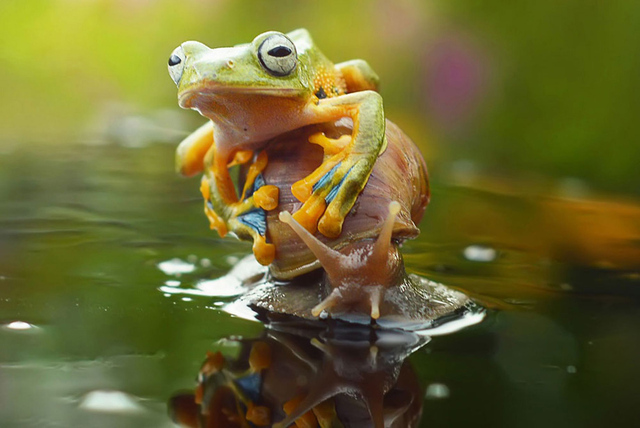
pixel 325 214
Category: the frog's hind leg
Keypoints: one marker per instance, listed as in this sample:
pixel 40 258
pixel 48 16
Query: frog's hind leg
pixel 247 218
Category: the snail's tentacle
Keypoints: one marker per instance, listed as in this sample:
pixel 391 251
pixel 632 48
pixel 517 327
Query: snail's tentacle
pixel 375 294
pixel 380 249
pixel 332 299
pixel 329 258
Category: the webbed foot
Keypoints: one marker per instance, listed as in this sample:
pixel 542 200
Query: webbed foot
pixel 331 190
pixel 247 218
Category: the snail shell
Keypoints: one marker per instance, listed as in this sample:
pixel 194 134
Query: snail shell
pixel 400 174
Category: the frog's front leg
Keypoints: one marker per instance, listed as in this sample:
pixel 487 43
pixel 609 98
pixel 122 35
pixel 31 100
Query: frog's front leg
pixel 358 75
pixel 338 181
pixel 198 151
pixel 192 150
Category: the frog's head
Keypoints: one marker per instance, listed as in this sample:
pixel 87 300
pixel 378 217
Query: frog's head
pixel 273 64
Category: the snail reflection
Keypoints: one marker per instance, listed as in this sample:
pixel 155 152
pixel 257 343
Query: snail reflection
pixel 348 376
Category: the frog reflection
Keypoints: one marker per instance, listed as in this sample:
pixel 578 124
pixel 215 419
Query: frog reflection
pixel 350 376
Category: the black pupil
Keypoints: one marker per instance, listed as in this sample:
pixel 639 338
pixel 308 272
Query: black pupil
pixel 280 51
pixel 175 59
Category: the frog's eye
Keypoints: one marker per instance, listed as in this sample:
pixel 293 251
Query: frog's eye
pixel 278 55
pixel 176 64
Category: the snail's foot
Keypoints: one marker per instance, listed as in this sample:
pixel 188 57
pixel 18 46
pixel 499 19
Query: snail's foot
pixel 329 302
pixel 330 192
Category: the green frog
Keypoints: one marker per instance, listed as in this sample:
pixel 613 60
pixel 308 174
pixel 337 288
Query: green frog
pixel 252 93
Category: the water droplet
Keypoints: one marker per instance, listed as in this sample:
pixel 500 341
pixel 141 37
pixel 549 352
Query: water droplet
pixel 187 299
pixel 19 325
pixel 192 258
pixel 480 253
pixel 232 260
pixel 176 267
pixel 572 369
pixel 437 391
pixel 205 263
pixel 172 283
pixel 110 401
pixel 566 287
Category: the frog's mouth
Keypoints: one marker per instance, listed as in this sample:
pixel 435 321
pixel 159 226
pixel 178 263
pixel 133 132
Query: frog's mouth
pixel 207 94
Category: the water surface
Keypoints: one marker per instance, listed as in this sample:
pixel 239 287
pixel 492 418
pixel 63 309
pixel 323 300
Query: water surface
pixel 92 236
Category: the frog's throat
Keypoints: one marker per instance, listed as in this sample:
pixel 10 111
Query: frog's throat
pixel 187 98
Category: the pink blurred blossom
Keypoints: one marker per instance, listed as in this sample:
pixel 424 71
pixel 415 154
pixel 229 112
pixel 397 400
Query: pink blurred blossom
pixel 456 79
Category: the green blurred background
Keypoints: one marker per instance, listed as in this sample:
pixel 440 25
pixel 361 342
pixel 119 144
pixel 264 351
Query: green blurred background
pixel 506 101
pixel 545 88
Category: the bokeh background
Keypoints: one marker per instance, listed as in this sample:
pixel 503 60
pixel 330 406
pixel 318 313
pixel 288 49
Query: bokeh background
pixel 528 116
pixel 542 88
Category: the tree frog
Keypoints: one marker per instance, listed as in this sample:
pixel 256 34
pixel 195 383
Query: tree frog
pixel 255 92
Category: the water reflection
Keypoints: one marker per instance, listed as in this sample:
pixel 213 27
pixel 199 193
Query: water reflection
pixel 344 375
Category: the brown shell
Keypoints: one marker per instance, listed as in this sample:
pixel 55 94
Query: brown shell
pixel 400 174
